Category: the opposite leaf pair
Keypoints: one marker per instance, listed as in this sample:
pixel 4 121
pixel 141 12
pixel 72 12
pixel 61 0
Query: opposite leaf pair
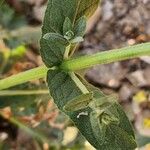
pixel 57 46
pixel 71 33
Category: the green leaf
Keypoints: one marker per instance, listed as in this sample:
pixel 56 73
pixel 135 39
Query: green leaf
pixel 66 92
pixel 77 40
pixel 123 140
pixel 54 46
pixel 67 26
pixel 111 123
pixel 62 87
pixel 79 102
pixel 69 35
pixel 55 36
pixel 59 17
pixel 80 27
pixel 58 10
pixel 98 129
pixel 74 35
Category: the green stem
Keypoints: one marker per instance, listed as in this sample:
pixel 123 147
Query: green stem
pixel 79 83
pixel 80 63
pixel 106 57
pixel 23 92
pixel 23 77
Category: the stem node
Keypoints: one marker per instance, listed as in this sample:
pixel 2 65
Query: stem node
pixel 79 63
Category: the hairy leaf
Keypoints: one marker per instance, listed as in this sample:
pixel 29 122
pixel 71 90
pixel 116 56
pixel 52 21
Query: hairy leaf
pixel 98 128
pixel 77 39
pixel 111 116
pixel 67 26
pixel 58 10
pixel 60 16
pixel 64 89
pixel 79 102
pixel 80 26
pixel 95 122
pixel 54 46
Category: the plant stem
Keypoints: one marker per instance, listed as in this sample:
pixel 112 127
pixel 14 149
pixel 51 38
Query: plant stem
pixel 80 63
pixel 23 77
pixel 23 92
pixel 106 57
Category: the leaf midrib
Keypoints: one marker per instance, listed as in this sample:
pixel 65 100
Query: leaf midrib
pixel 76 12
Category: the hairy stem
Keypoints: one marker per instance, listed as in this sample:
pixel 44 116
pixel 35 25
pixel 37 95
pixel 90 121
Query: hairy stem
pixel 23 92
pixel 106 57
pixel 23 77
pixel 80 63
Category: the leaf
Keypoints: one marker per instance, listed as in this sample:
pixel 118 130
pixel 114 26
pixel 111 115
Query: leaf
pixel 54 47
pixel 67 26
pixel 55 18
pixel 112 123
pixel 80 27
pixel 53 36
pixel 66 92
pixel 69 35
pixel 62 88
pixel 122 138
pixel 57 43
pixel 79 102
pixel 74 35
pixel 58 10
pixel 98 129
pixel 77 40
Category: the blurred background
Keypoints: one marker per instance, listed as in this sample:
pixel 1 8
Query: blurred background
pixel 31 121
